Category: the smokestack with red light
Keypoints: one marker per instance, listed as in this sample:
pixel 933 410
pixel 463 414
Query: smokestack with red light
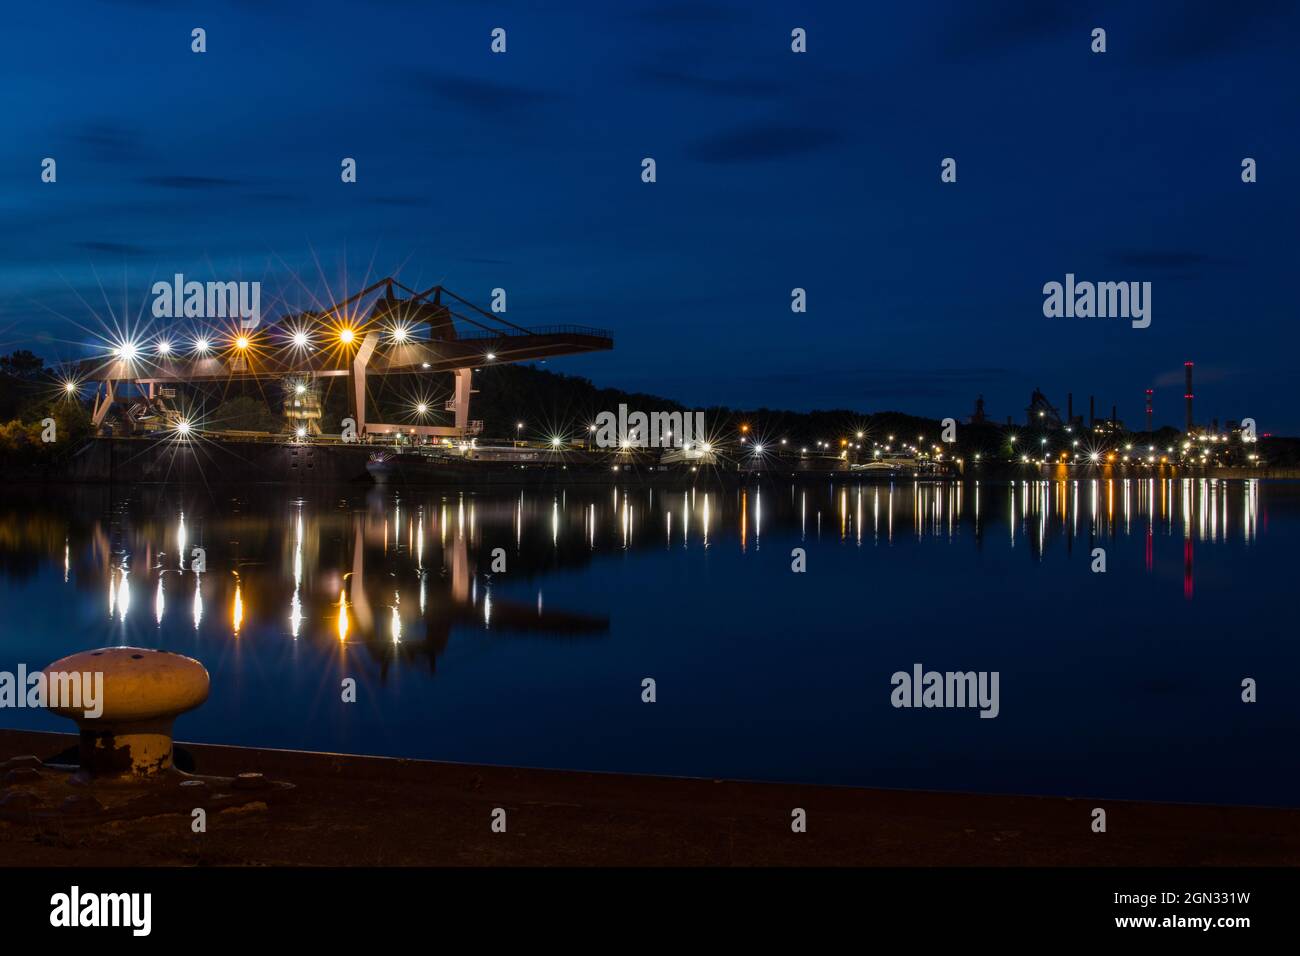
pixel 1187 367
pixel 1149 411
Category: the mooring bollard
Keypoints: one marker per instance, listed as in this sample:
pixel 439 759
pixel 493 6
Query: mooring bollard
pixel 143 693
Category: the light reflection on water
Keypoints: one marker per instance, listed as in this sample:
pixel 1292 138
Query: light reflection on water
pixel 763 672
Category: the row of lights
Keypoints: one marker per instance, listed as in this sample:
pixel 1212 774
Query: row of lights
pixel 129 351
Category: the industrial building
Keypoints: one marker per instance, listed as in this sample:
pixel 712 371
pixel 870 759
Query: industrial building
pixel 429 333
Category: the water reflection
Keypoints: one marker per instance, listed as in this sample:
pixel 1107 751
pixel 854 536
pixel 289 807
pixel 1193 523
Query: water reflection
pixel 306 569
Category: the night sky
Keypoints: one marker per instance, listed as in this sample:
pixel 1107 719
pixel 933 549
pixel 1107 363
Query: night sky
pixel 775 170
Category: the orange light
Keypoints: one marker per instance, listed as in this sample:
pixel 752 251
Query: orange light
pixel 241 343
pixel 346 336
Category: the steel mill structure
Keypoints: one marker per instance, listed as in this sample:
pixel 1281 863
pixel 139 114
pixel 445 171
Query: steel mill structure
pixel 430 332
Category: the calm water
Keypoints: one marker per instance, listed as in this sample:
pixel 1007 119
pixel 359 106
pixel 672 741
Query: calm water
pixel 1123 684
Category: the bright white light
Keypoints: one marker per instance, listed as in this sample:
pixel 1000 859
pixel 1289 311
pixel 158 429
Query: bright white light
pixel 164 347
pixel 399 334
pixel 555 442
pixel 127 351
pixel 202 346
pixel 300 339
pixel 183 427
pixel 706 447
pixel 241 343
pixel 491 356
pixel 300 389
pixel 302 432
pixel 758 449
pixel 421 408
pixel 346 336
pixel 70 387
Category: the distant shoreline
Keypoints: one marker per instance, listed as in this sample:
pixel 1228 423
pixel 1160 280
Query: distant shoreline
pixel 209 461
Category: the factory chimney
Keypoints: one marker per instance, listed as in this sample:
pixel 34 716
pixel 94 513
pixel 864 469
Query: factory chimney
pixel 1187 368
pixel 1148 411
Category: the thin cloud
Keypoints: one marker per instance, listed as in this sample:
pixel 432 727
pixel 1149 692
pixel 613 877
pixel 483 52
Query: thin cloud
pixel 189 182
pixel 474 94
pixel 762 142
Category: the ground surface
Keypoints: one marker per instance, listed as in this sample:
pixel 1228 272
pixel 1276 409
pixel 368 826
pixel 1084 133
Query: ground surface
pixel 363 811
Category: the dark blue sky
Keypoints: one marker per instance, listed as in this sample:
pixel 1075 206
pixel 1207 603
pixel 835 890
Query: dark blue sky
pixel 775 170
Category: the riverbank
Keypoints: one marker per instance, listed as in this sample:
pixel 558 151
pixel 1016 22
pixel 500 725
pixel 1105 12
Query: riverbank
pixel 367 811
pixel 214 461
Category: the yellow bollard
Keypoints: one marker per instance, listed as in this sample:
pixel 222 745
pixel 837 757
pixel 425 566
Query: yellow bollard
pixel 143 692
